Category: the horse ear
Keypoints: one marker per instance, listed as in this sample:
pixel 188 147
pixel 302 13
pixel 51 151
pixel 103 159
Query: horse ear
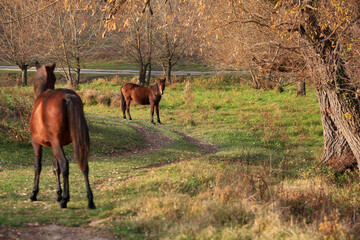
pixel 52 67
pixel 37 65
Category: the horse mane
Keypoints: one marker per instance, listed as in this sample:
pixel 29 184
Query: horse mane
pixel 44 79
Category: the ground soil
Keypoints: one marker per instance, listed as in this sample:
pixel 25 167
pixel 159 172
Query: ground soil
pixel 153 142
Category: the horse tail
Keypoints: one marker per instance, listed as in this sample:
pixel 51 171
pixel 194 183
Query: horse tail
pixel 79 130
pixel 122 100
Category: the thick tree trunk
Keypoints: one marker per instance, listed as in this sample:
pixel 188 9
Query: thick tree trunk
pixel 337 152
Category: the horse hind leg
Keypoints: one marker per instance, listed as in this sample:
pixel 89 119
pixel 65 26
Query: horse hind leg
pixel 128 108
pixel 124 112
pixel 56 169
pixel 91 204
pixel 123 108
pixel 64 169
pixel 38 156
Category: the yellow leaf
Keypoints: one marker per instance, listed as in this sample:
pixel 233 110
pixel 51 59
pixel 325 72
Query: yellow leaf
pixel 277 4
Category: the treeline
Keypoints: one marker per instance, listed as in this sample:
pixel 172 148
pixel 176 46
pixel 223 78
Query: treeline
pixel 72 33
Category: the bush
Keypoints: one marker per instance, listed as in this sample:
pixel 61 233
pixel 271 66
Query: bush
pixel 15 112
pixel 116 100
pixel 89 96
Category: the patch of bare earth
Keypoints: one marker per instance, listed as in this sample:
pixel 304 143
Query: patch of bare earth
pixel 153 142
pixel 54 232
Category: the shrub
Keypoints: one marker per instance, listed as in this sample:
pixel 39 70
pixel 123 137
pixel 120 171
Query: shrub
pixel 103 99
pixel 15 112
pixel 100 81
pixel 116 100
pixel 117 80
pixel 90 96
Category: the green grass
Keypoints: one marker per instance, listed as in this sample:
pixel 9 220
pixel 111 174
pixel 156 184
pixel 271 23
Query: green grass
pixel 263 182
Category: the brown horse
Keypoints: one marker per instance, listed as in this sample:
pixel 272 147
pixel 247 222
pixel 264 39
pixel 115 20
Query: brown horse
pixel 150 95
pixel 57 119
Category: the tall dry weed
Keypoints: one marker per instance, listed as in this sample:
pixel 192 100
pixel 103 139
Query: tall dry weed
pixel 189 101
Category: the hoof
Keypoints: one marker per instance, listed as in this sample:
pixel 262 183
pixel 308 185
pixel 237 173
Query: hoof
pixel 59 198
pixel 32 198
pixel 91 205
pixel 62 204
pixel 153 123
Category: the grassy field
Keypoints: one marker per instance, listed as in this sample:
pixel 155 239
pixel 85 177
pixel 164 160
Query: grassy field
pixel 263 182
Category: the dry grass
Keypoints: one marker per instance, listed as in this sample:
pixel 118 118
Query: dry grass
pixel 188 107
pixel 116 100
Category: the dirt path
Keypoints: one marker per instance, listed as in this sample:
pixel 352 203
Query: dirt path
pixel 153 142
pixel 54 232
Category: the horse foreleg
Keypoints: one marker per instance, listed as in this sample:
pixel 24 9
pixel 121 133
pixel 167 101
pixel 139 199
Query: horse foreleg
pixel 64 169
pixel 128 108
pixel 152 113
pixel 157 113
pixel 90 197
pixel 38 155
pixel 56 169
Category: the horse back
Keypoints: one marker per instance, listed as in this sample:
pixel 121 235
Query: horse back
pixel 140 95
pixel 49 118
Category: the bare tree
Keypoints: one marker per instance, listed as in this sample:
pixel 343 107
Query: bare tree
pixel 175 32
pixel 21 33
pixel 136 41
pixel 74 36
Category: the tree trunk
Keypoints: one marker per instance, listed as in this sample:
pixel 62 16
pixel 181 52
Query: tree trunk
pixel 68 77
pixel 337 152
pixel 77 79
pixel 142 74
pixel 256 84
pixel 78 67
pixel 149 75
pixel 24 69
pixel 168 72
pixel 301 88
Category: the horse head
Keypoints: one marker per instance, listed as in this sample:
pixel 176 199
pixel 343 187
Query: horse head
pixel 161 85
pixel 44 78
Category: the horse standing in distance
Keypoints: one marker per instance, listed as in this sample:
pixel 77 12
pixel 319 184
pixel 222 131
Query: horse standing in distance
pixel 57 119
pixel 150 95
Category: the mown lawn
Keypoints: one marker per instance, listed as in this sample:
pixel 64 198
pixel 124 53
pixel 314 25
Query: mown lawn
pixel 263 182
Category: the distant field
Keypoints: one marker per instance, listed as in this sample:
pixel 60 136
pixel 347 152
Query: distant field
pixel 119 64
pixel 263 182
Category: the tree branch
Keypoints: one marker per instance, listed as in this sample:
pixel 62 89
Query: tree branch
pixel 31 14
